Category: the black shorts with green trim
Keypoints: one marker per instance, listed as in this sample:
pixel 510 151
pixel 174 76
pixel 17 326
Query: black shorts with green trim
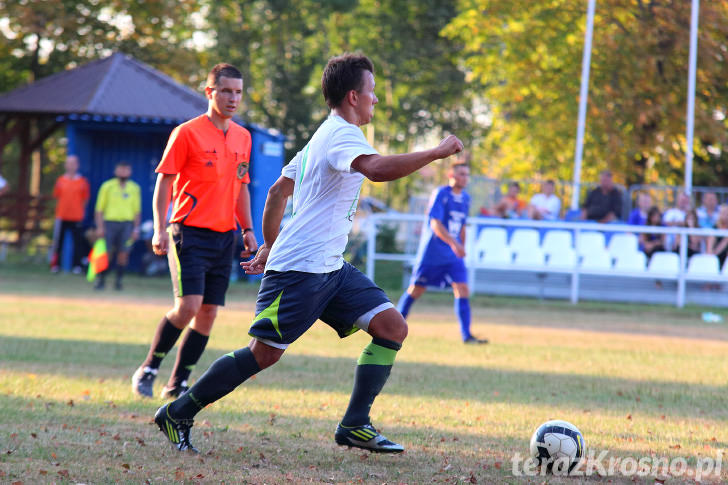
pixel 200 261
pixel 289 302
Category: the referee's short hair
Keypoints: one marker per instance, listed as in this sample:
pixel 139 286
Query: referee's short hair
pixel 222 70
pixel 342 74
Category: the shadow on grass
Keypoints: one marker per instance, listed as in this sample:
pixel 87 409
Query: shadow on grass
pixel 429 381
pixel 251 445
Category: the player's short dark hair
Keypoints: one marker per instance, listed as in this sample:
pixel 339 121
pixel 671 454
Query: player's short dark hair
pixel 123 163
pixel 222 70
pixel 515 184
pixel 458 165
pixel 342 74
pixel 551 181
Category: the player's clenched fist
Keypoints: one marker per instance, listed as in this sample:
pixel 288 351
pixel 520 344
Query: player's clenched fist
pixel 449 146
pixel 160 243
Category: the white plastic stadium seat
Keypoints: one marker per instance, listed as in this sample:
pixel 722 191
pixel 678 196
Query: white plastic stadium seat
pixel 623 243
pixel 490 238
pixel 563 258
pixel 596 260
pixel 725 268
pixel 524 239
pixel 496 256
pixel 664 263
pixel 556 240
pixel 590 242
pixel 529 257
pixel 634 261
pixel 703 265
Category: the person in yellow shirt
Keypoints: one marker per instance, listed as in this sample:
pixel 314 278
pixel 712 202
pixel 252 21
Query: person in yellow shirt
pixel 118 209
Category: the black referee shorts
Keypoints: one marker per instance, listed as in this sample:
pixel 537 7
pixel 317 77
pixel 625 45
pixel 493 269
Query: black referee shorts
pixel 200 261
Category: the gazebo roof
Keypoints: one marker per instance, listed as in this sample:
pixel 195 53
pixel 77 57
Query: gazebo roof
pixel 117 87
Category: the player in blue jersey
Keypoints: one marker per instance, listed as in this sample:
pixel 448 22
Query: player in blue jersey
pixel 440 259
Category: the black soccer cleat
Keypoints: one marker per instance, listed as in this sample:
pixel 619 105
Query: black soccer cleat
pixel 365 437
pixel 173 392
pixel 177 431
pixel 475 340
pixel 142 382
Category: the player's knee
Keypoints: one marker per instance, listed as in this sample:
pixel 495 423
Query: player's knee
pixel 416 291
pixel 390 325
pixel 207 312
pixel 401 331
pixel 265 355
pixel 184 312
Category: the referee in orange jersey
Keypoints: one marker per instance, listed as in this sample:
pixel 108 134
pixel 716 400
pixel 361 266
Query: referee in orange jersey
pixel 205 170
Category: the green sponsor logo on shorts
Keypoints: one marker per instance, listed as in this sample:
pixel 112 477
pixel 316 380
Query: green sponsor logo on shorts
pixel 271 313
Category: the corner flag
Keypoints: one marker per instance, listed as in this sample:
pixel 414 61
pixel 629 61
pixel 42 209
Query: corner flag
pixel 98 259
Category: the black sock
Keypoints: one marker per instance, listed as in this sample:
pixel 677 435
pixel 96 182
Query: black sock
pixel 189 352
pixel 164 339
pixel 119 273
pixel 372 372
pixel 223 376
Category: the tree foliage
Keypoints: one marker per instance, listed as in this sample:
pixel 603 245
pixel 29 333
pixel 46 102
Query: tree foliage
pixel 527 58
pixel 282 47
pixel 42 37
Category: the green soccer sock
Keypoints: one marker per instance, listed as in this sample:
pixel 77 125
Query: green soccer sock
pixel 372 372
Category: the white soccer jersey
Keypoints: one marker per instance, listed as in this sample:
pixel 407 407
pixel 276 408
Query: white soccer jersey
pixel 325 198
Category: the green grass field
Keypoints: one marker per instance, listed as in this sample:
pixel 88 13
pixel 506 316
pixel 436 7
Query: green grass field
pixel 638 382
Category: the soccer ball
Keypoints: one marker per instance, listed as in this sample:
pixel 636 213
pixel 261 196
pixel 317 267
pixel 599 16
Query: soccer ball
pixel 558 445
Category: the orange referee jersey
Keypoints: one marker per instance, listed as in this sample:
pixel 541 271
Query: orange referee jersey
pixel 72 195
pixel 211 167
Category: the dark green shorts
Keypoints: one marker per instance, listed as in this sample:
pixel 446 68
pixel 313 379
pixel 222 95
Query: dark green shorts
pixel 290 302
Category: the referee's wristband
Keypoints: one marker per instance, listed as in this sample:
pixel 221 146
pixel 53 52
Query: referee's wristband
pixel 247 229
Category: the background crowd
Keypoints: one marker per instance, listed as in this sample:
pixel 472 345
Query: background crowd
pixel 603 204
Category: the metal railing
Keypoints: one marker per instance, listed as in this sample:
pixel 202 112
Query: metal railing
pixel 578 228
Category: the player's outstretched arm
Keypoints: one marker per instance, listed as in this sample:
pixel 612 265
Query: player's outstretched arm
pixel 275 207
pixel 383 168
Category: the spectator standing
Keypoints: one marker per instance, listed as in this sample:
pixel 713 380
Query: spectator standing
pixel 511 206
pixel 696 244
pixel 651 242
pixel 71 193
pixel 718 245
pixel 708 212
pixel 545 205
pixel 118 208
pixel 638 216
pixel 603 204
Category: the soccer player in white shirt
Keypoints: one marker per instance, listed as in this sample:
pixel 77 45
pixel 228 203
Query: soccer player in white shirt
pixel 305 275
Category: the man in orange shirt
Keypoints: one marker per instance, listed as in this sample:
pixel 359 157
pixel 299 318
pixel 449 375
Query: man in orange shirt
pixel 205 170
pixel 71 192
pixel 510 206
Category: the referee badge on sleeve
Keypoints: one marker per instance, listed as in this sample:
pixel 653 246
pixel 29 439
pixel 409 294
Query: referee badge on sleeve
pixel 242 169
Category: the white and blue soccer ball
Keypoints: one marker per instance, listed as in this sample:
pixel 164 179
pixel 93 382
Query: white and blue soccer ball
pixel 557 445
